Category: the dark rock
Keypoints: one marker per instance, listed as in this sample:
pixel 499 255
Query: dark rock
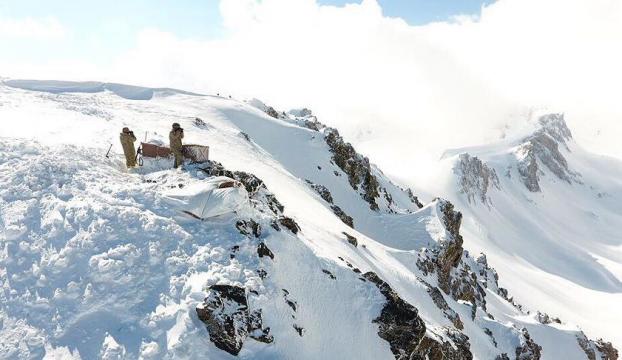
pixel 270 111
pixel 413 198
pixel 345 218
pixel 292 304
pixel 503 356
pixel 351 239
pixel 300 330
pixel 263 250
pixel 262 273
pixel 248 227
pixel 199 122
pixel 587 346
pixel 323 191
pixel 451 251
pixel 399 324
pixel 330 274
pixel 289 224
pixel 607 351
pixel 528 350
pixel 229 322
pixel 488 332
pixel 440 302
pixel 356 166
pixel 245 136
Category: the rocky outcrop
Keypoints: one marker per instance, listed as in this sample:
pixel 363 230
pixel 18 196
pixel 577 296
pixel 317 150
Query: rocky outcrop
pixel 440 302
pixel 607 351
pixel 400 325
pixel 345 218
pixel 413 198
pixel 356 166
pixel 229 321
pixel 263 250
pixel 450 250
pixel 597 350
pixel 351 239
pixel 476 179
pixel 543 148
pixel 322 191
pixel 528 349
pixel 290 224
pixel 327 196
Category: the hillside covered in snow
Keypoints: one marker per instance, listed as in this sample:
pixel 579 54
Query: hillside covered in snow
pixel 310 252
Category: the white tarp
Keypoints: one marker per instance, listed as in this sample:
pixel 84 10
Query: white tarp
pixel 214 197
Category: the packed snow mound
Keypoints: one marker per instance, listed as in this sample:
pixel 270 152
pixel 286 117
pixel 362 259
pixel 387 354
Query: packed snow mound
pixel 129 92
pixel 320 255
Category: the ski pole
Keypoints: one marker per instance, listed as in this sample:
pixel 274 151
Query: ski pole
pixel 108 152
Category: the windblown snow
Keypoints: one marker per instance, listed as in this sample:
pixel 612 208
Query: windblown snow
pixel 290 245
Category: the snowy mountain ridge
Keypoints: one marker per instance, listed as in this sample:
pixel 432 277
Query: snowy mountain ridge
pixel 326 258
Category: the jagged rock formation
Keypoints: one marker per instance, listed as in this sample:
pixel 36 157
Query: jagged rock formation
pixel 441 303
pixel 327 196
pixel 597 350
pixel 229 320
pixel 543 147
pixel 357 167
pixel 400 325
pixel 351 239
pixel 528 350
pixel 475 178
pixel 345 218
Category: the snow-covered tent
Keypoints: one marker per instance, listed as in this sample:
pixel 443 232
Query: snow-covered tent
pixel 214 197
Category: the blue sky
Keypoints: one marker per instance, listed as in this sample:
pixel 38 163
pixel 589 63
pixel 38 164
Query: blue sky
pixel 98 30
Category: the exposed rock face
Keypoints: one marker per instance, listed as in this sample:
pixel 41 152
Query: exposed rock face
pixel 248 227
pixel 263 250
pixel 607 351
pixel 345 218
pixel 451 250
pixel 543 147
pixel 399 324
pixel 323 191
pixel 440 302
pixel 270 111
pixel 476 178
pixel 357 167
pixel 597 350
pixel 351 239
pixel 327 196
pixel 289 224
pixel 413 198
pixel 528 350
pixel 228 319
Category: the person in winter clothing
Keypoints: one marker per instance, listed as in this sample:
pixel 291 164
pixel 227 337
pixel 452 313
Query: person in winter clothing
pixel 127 141
pixel 175 136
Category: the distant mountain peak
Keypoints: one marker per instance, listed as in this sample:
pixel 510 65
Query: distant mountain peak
pixel 555 126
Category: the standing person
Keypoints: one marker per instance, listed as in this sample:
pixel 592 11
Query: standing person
pixel 175 136
pixel 127 141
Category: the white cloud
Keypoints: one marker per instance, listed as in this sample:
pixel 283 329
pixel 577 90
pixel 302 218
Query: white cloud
pixel 405 93
pixel 30 28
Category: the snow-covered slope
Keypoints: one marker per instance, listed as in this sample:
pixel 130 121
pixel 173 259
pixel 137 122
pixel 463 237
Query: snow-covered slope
pixel 548 215
pixel 323 257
